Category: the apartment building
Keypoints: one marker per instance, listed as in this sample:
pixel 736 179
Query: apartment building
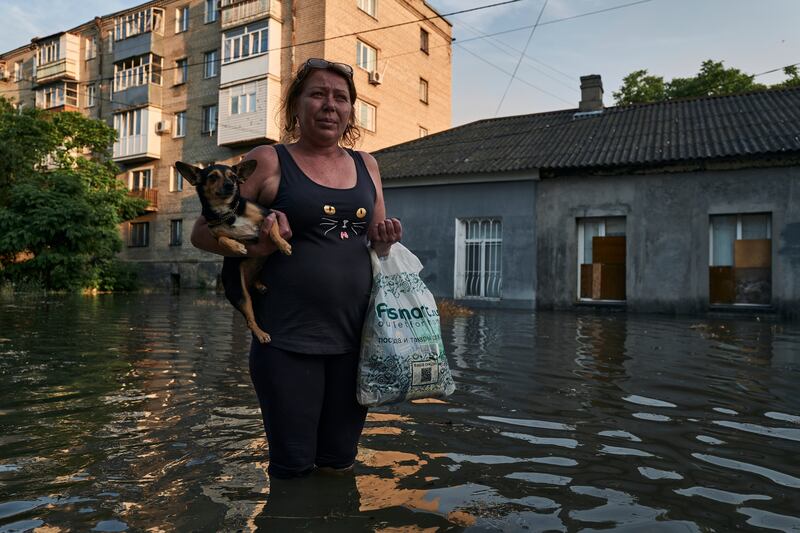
pixel 201 81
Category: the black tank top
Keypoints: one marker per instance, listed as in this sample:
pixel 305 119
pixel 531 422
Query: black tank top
pixel 317 298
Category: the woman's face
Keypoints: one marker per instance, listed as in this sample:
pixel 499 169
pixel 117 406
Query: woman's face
pixel 324 107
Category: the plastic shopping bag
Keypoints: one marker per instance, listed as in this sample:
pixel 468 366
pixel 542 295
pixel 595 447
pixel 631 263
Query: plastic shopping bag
pixel 402 354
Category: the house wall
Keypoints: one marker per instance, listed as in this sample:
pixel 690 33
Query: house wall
pixel 429 215
pixel 667 230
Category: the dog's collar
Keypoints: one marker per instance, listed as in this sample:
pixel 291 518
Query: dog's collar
pixel 229 218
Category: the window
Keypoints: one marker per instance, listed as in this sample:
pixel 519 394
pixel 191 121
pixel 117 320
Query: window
pixel 479 243
pixel 212 11
pixel 128 125
pixel 244 42
pixel 209 119
pixel 368 6
pixel 366 56
pixel 91 95
pixel 18 71
pixel 181 71
pixel 423 90
pixel 138 234
pixel 365 115
pixel 210 63
pixel 140 180
pixel 182 19
pixel 176 232
pixel 91 47
pixel 740 259
pixel 423 41
pixel 139 70
pixel 180 124
pixel 57 95
pixel 601 258
pixel 423 131
pixel 243 99
pixel 138 22
pixel 175 180
pixel 48 53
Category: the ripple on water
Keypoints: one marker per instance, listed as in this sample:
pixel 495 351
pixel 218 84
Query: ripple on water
pixel 722 496
pixel 650 402
pixel 783 417
pixel 773 475
pixel 656 474
pixel 781 433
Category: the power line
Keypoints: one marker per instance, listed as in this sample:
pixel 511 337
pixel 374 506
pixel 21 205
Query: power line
pixel 514 74
pixel 594 12
pixel 775 70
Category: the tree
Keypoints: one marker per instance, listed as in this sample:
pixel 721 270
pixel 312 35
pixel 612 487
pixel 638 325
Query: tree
pixel 60 201
pixel 638 87
pixel 713 79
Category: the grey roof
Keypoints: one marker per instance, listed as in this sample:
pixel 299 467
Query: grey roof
pixel 753 124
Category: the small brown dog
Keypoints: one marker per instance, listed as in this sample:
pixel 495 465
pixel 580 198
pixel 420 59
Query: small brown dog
pixel 234 220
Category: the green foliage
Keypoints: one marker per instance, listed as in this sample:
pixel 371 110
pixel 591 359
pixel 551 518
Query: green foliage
pixel 59 220
pixel 713 79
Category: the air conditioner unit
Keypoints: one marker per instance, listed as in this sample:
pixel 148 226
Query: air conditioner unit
pixel 163 126
pixel 375 77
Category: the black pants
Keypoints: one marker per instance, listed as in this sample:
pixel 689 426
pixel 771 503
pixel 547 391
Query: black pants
pixel 309 407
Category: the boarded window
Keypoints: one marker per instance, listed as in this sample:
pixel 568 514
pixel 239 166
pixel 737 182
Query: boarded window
pixel 601 258
pixel 740 262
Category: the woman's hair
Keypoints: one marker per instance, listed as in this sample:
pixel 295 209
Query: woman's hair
pixel 289 106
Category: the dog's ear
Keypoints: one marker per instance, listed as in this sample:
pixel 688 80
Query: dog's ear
pixel 245 168
pixel 190 172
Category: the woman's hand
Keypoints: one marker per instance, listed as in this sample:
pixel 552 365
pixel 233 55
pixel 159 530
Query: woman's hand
pixel 384 234
pixel 264 246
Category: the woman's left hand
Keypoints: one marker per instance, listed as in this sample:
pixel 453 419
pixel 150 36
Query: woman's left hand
pixel 384 234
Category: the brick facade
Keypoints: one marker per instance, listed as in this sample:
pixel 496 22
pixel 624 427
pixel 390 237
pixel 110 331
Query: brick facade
pixel 307 28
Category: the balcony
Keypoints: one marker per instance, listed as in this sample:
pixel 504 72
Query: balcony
pixel 151 195
pixel 247 113
pixel 237 12
pixel 137 139
pixel 58 59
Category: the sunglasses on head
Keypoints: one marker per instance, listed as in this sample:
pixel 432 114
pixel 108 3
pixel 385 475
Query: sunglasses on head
pixel 341 68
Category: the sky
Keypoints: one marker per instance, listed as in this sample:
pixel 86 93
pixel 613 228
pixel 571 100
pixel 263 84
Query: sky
pixel 669 38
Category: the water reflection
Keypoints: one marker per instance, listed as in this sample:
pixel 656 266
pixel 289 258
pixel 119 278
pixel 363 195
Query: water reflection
pixel 128 413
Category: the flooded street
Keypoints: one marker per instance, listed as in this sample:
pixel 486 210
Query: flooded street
pixel 136 413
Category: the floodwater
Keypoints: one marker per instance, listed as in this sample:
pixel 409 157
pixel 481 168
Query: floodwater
pixel 135 413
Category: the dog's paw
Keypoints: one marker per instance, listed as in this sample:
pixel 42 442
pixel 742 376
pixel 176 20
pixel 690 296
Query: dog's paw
pixel 286 249
pixel 240 248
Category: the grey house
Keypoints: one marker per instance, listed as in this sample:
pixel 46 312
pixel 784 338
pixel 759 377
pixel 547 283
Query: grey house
pixel 683 206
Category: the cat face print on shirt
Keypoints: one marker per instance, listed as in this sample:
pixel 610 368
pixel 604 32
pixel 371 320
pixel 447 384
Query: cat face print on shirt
pixel 343 225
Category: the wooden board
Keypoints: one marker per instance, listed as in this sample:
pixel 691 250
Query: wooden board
pixel 752 253
pixel 608 250
pixel 586 281
pixel 608 282
pixel 721 287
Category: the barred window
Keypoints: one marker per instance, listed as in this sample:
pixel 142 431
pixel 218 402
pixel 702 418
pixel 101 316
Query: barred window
pixel 479 258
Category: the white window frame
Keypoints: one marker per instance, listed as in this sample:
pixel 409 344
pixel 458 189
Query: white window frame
pixel 371 122
pixel 91 95
pixel 602 221
pixel 423 132
pixel 57 95
pixel 711 258
pixel 181 19
pixel 245 42
pixel 175 180
pixel 49 52
pixel 180 124
pixel 18 71
pixel 181 71
pixel 138 22
pixel 370 7
pixel 135 182
pixel 425 41
pixel 91 47
pixel 210 120
pixel 137 71
pixel 366 56
pixel 243 99
pixel 211 14
pixel 129 124
pixel 211 64
pixel 423 90
pixel 460 289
